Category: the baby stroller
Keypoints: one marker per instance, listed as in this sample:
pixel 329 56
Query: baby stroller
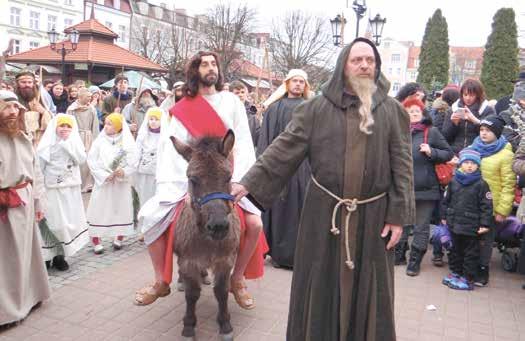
pixel 509 236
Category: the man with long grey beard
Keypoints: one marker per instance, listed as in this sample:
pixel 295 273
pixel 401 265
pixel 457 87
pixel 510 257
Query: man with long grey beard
pixel 360 195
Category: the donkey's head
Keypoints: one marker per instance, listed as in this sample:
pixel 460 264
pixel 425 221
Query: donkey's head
pixel 209 175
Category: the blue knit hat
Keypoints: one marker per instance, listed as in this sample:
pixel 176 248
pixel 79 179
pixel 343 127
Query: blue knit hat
pixel 469 154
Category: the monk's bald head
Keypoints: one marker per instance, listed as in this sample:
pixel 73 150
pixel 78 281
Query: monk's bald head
pixel 361 62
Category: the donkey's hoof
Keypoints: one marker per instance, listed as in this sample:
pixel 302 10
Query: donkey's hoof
pixel 226 337
pixel 188 332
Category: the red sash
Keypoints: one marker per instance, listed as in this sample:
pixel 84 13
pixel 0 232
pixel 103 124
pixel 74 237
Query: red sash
pixel 199 118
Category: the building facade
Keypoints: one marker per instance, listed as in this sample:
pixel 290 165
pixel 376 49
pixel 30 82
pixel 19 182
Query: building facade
pixel 394 57
pixel 27 22
pixel 114 14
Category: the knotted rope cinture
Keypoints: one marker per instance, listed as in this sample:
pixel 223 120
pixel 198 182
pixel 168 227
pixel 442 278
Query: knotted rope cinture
pixel 351 206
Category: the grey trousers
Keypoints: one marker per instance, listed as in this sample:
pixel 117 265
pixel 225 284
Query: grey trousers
pixel 424 210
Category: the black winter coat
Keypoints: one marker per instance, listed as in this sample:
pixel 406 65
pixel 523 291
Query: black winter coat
pixel 462 135
pixel 426 184
pixel 467 208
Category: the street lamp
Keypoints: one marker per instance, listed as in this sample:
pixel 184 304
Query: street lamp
pixel 338 26
pixel 360 10
pixel 53 36
pixel 377 27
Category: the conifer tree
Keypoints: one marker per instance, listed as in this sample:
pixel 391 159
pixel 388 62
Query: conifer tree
pixel 500 59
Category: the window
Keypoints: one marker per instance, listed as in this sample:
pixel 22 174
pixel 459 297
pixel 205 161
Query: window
pixel 416 63
pixel 116 4
pixel 51 22
pixel 109 25
pixel 396 58
pixel 398 71
pixel 68 2
pixel 16 46
pixel 389 70
pixel 470 64
pixel 68 23
pixel 122 33
pixel 15 16
pixel 34 20
pixel 395 87
pixel 412 75
pixel 33 44
pixel 386 45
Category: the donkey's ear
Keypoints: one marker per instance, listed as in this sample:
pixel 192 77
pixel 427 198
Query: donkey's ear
pixel 183 149
pixel 227 143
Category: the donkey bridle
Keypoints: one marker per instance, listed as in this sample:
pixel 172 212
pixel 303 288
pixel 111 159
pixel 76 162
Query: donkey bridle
pixel 214 196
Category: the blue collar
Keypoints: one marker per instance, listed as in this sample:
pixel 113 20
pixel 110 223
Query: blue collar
pixel 214 196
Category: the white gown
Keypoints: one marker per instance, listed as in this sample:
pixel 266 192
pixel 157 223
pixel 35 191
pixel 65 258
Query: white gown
pixel 60 162
pixel 110 209
pixel 156 214
pixel 144 179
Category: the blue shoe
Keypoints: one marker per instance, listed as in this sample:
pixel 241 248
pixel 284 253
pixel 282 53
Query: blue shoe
pixel 446 280
pixel 461 284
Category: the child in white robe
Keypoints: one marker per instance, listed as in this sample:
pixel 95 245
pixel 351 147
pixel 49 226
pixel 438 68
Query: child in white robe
pixel 112 160
pixel 61 152
pixel 147 142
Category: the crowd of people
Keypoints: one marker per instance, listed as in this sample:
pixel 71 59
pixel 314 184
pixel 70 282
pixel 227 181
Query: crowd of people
pixel 446 168
pixel 465 156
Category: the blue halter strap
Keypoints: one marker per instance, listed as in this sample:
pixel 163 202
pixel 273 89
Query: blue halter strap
pixel 214 196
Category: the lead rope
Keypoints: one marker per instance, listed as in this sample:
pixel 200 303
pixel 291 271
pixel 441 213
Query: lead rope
pixel 351 206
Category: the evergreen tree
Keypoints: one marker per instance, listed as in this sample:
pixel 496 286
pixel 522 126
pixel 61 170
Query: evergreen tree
pixel 433 59
pixel 500 59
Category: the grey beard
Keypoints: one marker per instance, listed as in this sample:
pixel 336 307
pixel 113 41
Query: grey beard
pixel 364 88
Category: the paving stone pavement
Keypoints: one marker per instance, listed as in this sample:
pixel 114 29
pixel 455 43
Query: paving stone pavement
pixel 93 301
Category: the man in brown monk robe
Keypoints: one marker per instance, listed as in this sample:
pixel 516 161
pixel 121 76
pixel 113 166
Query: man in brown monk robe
pixel 357 140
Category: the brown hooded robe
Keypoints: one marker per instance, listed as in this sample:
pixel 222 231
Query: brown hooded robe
pixel 328 300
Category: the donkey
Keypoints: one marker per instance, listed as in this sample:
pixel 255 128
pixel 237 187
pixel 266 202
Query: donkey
pixel 207 234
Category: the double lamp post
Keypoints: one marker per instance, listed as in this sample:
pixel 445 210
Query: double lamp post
pixel 339 22
pixel 63 50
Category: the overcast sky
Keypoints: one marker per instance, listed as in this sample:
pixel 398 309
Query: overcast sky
pixel 469 21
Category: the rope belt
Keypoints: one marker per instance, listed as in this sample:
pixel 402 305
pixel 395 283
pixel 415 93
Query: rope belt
pixel 351 206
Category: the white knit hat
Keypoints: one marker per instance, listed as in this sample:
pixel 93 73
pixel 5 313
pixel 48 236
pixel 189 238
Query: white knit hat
pixel 281 90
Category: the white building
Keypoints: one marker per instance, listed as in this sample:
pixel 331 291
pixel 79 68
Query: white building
pixel 115 15
pixel 394 61
pixel 28 21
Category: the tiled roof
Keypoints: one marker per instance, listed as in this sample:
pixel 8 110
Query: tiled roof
pixel 92 26
pixel 100 52
pixel 247 68
pixel 413 55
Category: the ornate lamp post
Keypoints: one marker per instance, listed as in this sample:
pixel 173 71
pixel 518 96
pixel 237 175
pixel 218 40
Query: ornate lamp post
pixel 338 27
pixel 377 24
pixel 73 38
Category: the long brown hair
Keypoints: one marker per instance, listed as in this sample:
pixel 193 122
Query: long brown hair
pixel 473 86
pixel 191 87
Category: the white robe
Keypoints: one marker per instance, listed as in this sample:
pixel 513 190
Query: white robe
pixel 110 209
pixel 144 179
pixel 156 215
pixel 65 209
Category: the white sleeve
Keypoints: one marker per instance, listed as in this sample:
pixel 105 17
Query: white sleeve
pixel 243 150
pixel 172 181
pixel 96 166
pixel 75 150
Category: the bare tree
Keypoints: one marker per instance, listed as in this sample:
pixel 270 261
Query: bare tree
pixel 301 40
pixel 180 50
pixel 227 27
pixel 149 40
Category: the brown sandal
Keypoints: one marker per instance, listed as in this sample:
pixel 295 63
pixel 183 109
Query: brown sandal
pixel 241 295
pixel 150 293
